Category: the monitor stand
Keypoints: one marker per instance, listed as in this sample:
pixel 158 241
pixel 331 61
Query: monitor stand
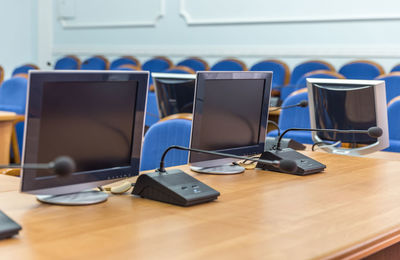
pixel 225 169
pixel 74 199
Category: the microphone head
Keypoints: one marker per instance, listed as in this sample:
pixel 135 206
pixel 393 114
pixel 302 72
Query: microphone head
pixel 375 132
pixel 288 166
pixel 303 103
pixel 64 165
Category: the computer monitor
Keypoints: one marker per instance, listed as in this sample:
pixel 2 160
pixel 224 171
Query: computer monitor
pixel 230 115
pixel 348 105
pixel 94 117
pixel 174 92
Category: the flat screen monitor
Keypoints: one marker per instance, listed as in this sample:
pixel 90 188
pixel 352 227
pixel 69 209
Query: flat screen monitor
pixel 174 92
pixel 230 116
pixel 94 117
pixel 348 105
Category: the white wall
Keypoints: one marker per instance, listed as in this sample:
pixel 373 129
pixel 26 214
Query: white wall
pixel 292 30
pixel 18 41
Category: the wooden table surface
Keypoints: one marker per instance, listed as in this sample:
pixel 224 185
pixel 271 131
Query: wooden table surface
pixel 351 210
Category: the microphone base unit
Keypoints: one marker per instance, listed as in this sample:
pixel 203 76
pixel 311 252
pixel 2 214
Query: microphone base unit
pixel 174 187
pixel 270 143
pixel 225 169
pixel 305 165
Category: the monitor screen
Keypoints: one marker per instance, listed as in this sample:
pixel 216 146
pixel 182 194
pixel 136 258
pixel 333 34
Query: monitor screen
pixel 175 92
pixel 348 105
pixel 230 115
pixel 96 118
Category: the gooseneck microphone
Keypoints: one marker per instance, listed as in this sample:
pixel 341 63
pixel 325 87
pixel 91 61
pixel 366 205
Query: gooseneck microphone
pixel 179 188
pixel 62 166
pixel 374 132
pixel 303 103
pixel 284 165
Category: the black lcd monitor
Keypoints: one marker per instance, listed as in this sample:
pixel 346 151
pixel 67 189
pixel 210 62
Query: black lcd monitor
pixel 230 115
pixel 348 105
pixel 174 92
pixel 94 117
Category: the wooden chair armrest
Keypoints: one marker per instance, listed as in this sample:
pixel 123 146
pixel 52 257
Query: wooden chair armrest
pixel 11 172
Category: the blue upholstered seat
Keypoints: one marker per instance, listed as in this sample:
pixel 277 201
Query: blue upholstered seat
pixel 392 83
pixel 124 61
pixel 228 65
pixel 280 70
pixel 302 82
pixel 396 68
pixel 361 69
pixel 180 70
pixel 67 63
pixel 195 64
pixel 24 69
pixel 94 63
pixel 152 114
pixel 394 125
pixel 157 64
pixel 13 99
pixel 162 135
pixel 298 117
pixel 306 67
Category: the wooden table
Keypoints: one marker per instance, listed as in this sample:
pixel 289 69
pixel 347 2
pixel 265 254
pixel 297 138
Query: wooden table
pixel 350 211
pixel 6 125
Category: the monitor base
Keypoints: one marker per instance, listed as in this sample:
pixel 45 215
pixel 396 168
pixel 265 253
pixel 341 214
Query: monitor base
pixel 225 169
pixel 74 199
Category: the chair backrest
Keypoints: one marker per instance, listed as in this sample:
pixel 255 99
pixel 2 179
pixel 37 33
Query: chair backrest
pixel 127 67
pixel 392 84
pixel 125 60
pixel 13 95
pixel 195 64
pixel 1 74
pixel 361 69
pixel 181 70
pixel 297 116
pixel 279 68
pixel 24 69
pixel 157 64
pixel 231 64
pixel 393 118
pixel 69 62
pixel 396 68
pixel 302 82
pixel 95 63
pixel 162 135
pixel 309 66
pixel 152 113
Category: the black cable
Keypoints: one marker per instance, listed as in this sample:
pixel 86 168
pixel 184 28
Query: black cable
pixel 276 125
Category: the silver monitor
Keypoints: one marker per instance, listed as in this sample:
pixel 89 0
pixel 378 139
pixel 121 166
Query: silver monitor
pixel 94 117
pixel 174 92
pixel 230 115
pixel 348 105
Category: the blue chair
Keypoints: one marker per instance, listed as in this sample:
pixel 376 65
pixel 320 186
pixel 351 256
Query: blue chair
pixel 125 60
pixel 308 66
pixel 302 82
pixel 13 99
pixel 24 69
pixel 95 63
pixel 361 69
pixel 180 70
pixel 161 136
pixel 229 65
pixel 392 84
pixel 128 67
pixel 279 68
pixel 394 125
pixel 295 117
pixel 152 114
pixel 69 62
pixel 195 64
pixel 396 68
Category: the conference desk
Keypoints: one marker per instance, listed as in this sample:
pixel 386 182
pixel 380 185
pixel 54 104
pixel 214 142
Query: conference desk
pixel 350 211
